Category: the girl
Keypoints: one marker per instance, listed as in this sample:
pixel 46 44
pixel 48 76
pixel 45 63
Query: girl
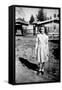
pixel 42 50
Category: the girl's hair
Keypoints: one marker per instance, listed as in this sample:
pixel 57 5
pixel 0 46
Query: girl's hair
pixel 46 32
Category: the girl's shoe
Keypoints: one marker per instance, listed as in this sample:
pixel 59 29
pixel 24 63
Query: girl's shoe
pixel 42 72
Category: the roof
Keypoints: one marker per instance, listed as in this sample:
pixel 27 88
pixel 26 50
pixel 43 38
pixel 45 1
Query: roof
pixel 21 21
pixel 56 20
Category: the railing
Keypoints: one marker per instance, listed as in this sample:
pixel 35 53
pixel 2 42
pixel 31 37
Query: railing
pixel 53 36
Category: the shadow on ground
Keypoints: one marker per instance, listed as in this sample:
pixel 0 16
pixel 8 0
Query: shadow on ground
pixel 28 64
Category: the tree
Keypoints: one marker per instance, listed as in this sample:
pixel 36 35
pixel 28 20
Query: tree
pixel 58 15
pixel 31 19
pixel 54 15
pixel 50 17
pixel 47 18
pixel 41 15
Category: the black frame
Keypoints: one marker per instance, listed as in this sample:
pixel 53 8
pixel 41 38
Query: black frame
pixel 11 63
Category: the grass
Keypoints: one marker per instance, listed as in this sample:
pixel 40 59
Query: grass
pixel 25 48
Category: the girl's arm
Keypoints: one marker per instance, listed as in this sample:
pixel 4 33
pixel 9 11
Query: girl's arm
pixel 47 47
pixel 36 45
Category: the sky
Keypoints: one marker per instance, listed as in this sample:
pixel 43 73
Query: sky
pixel 24 12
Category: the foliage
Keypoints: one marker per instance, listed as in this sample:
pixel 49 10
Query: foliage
pixel 41 15
pixel 31 19
pixel 54 15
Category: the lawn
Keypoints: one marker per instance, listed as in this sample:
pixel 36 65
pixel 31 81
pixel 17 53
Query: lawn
pixel 26 62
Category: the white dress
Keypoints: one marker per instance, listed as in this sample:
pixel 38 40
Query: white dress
pixel 42 49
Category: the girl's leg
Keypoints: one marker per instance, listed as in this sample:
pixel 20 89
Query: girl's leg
pixel 43 64
pixel 40 66
pixel 39 58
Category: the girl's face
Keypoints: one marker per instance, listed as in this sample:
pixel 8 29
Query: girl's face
pixel 42 30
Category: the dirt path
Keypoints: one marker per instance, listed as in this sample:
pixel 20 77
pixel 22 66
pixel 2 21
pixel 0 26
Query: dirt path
pixel 25 49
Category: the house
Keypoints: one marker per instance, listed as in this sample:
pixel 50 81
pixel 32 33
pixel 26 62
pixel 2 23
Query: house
pixel 20 26
pixel 52 27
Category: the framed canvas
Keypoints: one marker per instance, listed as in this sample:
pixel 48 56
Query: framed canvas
pixel 34 44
